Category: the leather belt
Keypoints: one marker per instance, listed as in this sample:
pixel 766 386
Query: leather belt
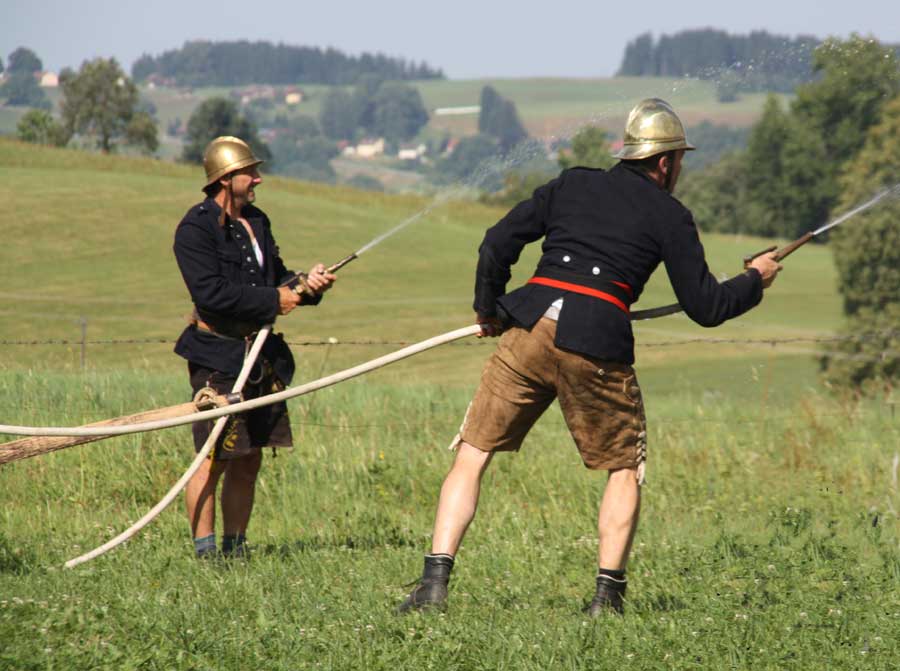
pixel 587 291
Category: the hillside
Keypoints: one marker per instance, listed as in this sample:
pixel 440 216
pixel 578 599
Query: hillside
pixel 548 107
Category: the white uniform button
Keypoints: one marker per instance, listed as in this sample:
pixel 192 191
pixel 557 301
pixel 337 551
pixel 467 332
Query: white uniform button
pixel 596 270
pixel 567 258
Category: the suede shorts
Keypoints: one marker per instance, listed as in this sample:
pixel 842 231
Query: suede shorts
pixel 246 432
pixel 600 400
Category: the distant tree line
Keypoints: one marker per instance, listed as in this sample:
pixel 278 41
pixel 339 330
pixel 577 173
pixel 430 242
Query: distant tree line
pixel 759 61
pixel 202 62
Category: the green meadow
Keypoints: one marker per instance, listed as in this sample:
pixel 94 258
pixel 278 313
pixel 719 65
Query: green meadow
pixel 769 538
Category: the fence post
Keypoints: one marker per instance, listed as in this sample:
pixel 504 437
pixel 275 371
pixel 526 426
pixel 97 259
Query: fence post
pixel 83 323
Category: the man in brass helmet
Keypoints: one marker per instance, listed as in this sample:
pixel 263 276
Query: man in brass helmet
pixel 567 334
pixel 233 271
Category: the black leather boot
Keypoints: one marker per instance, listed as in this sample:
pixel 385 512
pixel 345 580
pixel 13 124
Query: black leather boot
pixel 608 597
pixel 431 590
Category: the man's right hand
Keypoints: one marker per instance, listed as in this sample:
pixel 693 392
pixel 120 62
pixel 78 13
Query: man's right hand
pixel 491 327
pixel 767 267
pixel 287 300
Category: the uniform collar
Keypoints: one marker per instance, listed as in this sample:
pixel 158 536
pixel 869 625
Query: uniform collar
pixel 634 170
pixel 215 209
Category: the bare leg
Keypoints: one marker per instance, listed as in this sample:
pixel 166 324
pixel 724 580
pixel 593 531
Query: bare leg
pixel 459 499
pixel 200 497
pixel 238 491
pixel 618 518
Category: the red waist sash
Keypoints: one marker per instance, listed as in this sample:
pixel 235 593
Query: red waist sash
pixel 587 291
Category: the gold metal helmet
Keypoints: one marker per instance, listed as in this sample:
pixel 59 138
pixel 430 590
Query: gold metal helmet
pixel 652 128
pixel 224 155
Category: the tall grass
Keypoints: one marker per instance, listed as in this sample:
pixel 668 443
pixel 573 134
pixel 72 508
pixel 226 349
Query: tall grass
pixel 769 540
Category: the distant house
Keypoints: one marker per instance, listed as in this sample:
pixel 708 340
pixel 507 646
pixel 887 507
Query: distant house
pixel 155 79
pixel 48 79
pixel 293 96
pixel 412 153
pixel 248 94
pixel 368 148
pixel 457 111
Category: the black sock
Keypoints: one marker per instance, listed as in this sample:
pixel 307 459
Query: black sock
pixel 232 542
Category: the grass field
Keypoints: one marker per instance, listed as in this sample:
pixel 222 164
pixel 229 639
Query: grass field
pixel 769 537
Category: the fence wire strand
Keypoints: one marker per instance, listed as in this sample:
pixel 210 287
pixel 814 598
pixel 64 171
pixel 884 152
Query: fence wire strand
pixel 860 337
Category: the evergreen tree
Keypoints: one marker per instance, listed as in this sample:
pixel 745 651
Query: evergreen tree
pixel 867 256
pixel 499 118
pixel 766 180
pixel 339 115
pixel 24 61
pixel 215 117
pixel 22 89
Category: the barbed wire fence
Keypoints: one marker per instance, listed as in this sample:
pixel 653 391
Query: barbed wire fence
pixel 780 342
pixel 84 342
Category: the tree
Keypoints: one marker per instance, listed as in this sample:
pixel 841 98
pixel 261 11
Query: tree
pixel 719 198
pixel 867 256
pixel 309 160
pixel 21 88
pixel 338 116
pixel 1 66
pixel 304 127
pixel 474 163
pixel 39 127
pixel 398 112
pixel 713 141
pixel 24 61
pixel 855 78
pixel 215 117
pixel 364 100
pixel 727 86
pixel 99 101
pixel 589 149
pixel 498 117
pixel 766 180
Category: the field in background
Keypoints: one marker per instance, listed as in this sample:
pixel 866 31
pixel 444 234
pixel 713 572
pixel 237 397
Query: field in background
pixel 549 107
pixel 770 532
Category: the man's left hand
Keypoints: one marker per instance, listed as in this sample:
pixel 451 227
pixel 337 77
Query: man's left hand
pixel 319 279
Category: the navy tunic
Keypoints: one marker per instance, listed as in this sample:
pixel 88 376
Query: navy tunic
pixel 229 287
pixel 602 230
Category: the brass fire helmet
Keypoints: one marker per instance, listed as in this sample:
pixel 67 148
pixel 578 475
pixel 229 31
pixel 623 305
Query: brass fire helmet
pixel 224 155
pixel 652 128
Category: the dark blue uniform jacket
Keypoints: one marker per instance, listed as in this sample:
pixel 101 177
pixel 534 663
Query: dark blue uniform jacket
pixel 228 287
pixel 602 229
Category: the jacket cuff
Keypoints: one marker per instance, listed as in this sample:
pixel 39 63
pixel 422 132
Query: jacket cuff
pixel 748 286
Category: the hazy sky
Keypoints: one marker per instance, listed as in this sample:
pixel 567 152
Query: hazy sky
pixel 467 38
